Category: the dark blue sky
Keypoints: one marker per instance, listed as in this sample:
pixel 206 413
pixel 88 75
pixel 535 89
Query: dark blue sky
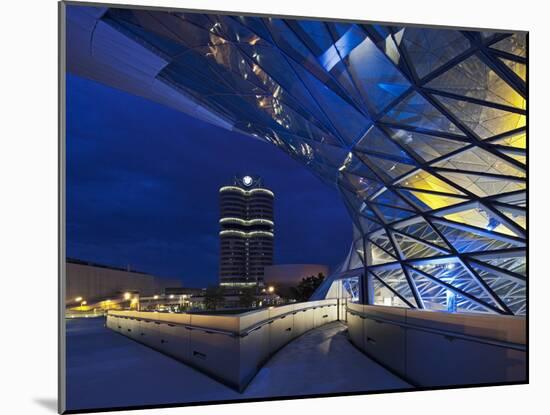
pixel 142 189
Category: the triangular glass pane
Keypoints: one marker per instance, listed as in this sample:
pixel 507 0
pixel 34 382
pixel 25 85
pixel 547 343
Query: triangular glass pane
pixel 520 69
pixel 476 159
pixel 437 297
pixel 516 199
pixel 384 296
pixel 391 198
pixel 515 44
pixel 396 279
pixel 473 78
pixel 513 262
pixel 483 186
pixel 516 155
pixel 481 218
pixel 510 290
pixel 356 166
pixel 392 168
pixel 317 34
pixel 349 122
pixel 416 111
pixel 375 75
pixel 422 230
pixel 422 180
pixel 473 241
pixel 413 249
pixel 430 201
pixel 391 214
pixel 427 147
pixel 515 215
pixel 387 43
pixel 333 156
pixel 368 225
pixel 454 273
pixel 486 122
pixel 376 142
pixel 361 186
pixel 517 140
pixel 381 239
pixel 379 256
pixel 428 49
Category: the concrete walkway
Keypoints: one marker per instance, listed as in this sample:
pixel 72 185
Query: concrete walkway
pixel 321 361
pixel 107 370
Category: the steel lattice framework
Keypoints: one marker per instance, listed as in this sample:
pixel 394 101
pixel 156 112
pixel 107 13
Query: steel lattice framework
pixel 422 130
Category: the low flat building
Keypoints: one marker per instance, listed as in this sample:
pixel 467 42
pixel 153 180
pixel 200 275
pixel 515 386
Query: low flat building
pixel 93 282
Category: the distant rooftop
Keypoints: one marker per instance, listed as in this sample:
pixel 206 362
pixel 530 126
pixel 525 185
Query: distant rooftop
pixel 95 264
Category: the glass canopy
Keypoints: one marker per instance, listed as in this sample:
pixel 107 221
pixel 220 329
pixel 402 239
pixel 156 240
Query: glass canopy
pixel 423 131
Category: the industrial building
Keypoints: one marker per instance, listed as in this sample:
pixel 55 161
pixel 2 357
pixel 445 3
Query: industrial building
pixel 95 282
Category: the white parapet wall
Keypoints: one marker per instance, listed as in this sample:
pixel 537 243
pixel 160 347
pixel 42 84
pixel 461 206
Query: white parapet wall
pixel 431 349
pixel 230 348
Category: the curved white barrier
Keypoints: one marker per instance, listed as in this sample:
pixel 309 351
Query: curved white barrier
pixel 431 349
pixel 230 348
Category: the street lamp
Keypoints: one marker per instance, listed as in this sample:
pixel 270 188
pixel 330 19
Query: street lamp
pixel 271 289
pixel 156 297
pixel 127 296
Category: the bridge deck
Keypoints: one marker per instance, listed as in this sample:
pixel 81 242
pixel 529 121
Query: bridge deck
pixel 105 369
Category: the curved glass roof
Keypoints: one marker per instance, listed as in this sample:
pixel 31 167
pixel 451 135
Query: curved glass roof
pixel 422 130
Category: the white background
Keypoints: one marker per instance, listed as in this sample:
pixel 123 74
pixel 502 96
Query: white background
pixel 28 204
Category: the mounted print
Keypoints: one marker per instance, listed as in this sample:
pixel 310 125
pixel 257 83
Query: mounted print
pixel 261 207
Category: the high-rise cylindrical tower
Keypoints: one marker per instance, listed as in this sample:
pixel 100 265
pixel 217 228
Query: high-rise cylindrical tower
pixel 246 234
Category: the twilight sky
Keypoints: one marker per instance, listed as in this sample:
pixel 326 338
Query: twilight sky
pixel 142 189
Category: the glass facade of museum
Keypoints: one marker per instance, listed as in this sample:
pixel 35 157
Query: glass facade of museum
pixel 422 130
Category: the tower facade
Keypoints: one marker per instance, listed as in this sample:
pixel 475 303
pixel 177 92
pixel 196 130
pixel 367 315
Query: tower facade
pixel 246 232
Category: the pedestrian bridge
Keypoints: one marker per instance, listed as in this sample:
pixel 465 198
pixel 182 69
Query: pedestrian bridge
pixel 423 348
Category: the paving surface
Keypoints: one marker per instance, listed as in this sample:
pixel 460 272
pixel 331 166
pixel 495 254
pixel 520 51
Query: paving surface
pixel 105 369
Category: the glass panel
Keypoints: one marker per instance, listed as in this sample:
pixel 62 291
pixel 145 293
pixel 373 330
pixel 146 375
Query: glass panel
pixel 384 296
pixel 412 248
pixel 416 111
pixel 515 44
pixel 429 201
pixel 423 231
pixel 423 180
pixel 454 273
pixel 396 279
pixel 428 49
pixel 486 122
pixel 377 78
pixel 518 140
pixel 520 69
pixel 436 297
pixel 380 256
pixel 391 168
pixel 513 262
pixel 481 218
pixel 427 147
pixel 483 186
pixel 511 291
pixel 474 241
pixel 472 78
pixel 477 160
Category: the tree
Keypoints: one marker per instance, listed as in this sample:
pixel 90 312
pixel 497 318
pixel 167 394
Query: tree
pixel 304 290
pixel 213 297
pixel 247 297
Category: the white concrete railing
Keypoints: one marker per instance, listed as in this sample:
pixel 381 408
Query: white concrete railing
pixel 431 349
pixel 230 348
